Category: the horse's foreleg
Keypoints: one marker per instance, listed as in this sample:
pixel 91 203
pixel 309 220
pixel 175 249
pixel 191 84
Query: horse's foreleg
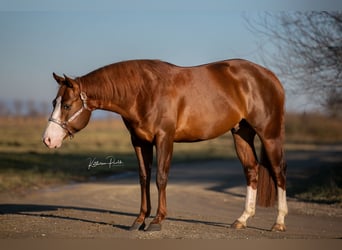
pixel 244 146
pixel 164 149
pixel 144 152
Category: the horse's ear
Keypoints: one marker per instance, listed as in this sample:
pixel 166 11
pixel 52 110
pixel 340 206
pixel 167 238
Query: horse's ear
pixel 60 80
pixel 71 83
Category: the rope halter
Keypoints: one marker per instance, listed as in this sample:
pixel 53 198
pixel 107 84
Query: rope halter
pixel 65 124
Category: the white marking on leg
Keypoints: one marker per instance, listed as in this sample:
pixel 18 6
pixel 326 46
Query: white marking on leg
pixel 249 205
pixel 282 206
pixel 54 134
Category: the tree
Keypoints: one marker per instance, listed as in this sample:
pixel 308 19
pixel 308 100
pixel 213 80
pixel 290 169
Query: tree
pixel 18 107
pixel 308 52
pixel 3 109
pixel 44 109
pixel 32 109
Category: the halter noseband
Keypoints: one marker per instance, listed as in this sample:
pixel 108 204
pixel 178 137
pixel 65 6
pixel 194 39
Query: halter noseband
pixel 65 124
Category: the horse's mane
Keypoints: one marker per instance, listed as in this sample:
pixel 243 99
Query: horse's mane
pixel 120 80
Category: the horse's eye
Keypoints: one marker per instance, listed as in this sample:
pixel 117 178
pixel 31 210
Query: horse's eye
pixel 66 106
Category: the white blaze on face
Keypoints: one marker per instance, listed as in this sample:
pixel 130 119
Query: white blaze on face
pixel 54 133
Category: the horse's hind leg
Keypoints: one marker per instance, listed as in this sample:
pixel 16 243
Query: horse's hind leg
pixel 244 145
pixel 273 149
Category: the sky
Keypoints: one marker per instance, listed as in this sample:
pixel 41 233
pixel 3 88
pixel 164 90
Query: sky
pixel 74 37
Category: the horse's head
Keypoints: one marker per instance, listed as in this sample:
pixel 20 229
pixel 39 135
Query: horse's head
pixel 70 112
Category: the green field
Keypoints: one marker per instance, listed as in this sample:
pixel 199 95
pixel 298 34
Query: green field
pixel 27 164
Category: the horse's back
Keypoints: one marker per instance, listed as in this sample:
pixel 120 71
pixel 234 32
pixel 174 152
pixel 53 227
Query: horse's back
pixel 217 96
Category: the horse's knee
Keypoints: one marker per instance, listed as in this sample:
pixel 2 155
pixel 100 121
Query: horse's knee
pixel 144 180
pixel 162 179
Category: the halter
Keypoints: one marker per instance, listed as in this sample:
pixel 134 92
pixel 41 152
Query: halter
pixel 65 124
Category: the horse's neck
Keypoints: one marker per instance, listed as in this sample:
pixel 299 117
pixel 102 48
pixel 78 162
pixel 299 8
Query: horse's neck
pixel 103 95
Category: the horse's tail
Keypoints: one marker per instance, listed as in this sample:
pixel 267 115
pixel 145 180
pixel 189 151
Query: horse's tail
pixel 266 192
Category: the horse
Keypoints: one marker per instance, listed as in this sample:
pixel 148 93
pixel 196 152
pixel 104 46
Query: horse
pixel 161 103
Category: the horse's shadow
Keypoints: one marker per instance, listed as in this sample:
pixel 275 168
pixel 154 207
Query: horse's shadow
pixel 46 211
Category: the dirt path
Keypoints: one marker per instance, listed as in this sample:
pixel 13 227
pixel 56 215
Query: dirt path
pixel 204 198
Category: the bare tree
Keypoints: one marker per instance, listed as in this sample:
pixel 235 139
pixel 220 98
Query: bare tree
pixel 44 108
pixel 308 52
pixel 18 107
pixel 3 109
pixel 32 109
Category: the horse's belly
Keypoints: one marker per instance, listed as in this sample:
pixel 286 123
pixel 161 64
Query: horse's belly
pixel 206 118
pixel 203 130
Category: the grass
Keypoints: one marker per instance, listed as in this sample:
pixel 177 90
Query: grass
pixel 27 164
pixel 323 184
pixel 313 129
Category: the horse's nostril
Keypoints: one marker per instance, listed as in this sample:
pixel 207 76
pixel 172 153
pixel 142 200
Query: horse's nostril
pixel 47 141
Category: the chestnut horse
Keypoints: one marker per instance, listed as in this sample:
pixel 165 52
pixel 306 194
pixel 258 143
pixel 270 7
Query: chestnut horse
pixel 161 103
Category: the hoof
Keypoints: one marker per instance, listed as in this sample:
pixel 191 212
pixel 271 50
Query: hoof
pixel 278 228
pixel 137 226
pixel 154 227
pixel 238 225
